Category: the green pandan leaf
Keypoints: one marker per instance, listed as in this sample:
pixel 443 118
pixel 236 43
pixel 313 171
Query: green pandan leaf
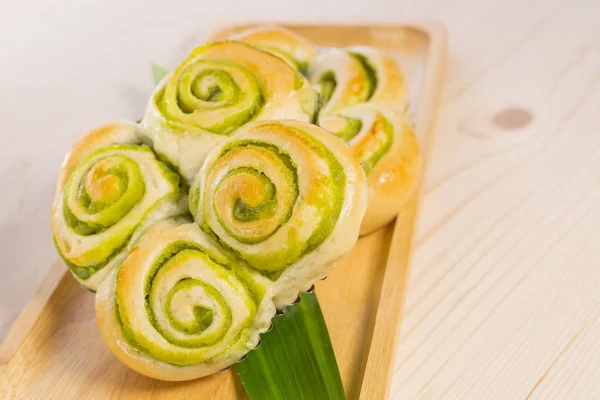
pixel 158 73
pixel 294 360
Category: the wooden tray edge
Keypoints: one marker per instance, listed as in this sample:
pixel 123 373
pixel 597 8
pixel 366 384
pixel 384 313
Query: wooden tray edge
pixel 31 312
pixel 381 358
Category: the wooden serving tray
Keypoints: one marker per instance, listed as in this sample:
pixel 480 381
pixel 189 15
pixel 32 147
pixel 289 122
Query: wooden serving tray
pixel 54 350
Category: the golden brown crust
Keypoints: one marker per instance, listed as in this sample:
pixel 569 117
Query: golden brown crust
pixel 104 135
pixel 391 85
pixel 394 179
pixel 160 199
pixel 279 39
pixel 168 231
pixel 395 176
pixel 392 90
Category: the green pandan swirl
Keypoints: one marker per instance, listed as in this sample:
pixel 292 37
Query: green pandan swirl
pixel 352 77
pixel 214 96
pixel 252 188
pixel 277 194
pixel 180 306
pixel 367 130
pixel 365 104
pixel 111 189
pixel 216 91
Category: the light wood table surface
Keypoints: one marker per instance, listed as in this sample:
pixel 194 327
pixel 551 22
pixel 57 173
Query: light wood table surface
pixel 504 293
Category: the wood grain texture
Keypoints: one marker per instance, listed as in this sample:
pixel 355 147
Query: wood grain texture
pixel 27 318
pixel 381 355
pixel 55 350
pixel 503 299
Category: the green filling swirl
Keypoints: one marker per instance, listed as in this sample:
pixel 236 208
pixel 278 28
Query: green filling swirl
pixel 370 73
pixel 331 204
pixel 242 211
pixel 384 144
pixel 352 127
pixel 327 197
pixel 119 186
pixel 191 337
pixel 267 208
pixel 131 189
pixel 327 84
pixel 85 272
pixel 245 212
pixel 204 315
pixel 208 95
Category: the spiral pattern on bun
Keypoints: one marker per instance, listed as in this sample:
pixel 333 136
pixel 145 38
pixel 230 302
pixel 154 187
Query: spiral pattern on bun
pixel 110 190
pixel 221 87
pixel 180 307
pixel 365 104
pixel 287 197
pixel 387 148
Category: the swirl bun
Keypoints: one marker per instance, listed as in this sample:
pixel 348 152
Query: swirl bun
pixel 365 104
pixel 221 87
pixel 111 188
pixel 286 196
pixel 180 307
